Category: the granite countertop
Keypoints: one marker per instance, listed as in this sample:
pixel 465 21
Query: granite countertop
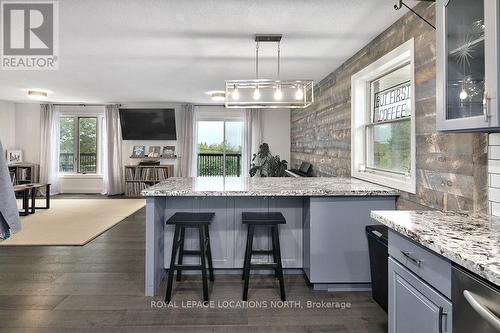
pixel 470 240
pixel 286 186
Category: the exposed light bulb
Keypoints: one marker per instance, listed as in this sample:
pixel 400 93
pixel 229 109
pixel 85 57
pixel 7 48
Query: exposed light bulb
pixel 278 95
pixel 256 94
pixel 299 94
pixel 236 94
pixel 463 95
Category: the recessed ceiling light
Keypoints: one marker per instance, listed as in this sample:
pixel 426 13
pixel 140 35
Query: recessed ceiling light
pixel 217 95
pixel 38 95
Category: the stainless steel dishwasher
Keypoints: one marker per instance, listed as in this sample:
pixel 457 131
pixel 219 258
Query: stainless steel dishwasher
pixel 476 304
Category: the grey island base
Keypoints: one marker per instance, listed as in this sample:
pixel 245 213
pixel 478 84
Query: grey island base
pixel 324 235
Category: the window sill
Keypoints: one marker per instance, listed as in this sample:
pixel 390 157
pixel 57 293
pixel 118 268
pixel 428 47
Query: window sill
pixel 398 182
pixel 81 176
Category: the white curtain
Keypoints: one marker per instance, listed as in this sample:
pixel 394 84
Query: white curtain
pixel 112 147
pixel 252 136
pixel 186 140
pixel 49 148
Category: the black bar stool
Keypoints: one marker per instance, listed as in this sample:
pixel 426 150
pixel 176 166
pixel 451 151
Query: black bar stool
pixel 270 220
pixel 199 221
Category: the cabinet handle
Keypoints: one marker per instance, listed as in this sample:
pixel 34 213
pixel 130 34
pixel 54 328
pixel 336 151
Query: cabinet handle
pixel 486 112
pixel 483 311
pixel 411 258
pixel 440 319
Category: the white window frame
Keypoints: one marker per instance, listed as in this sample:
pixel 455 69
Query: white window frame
pixel 361 116
pixel 91 112
pixel 216 114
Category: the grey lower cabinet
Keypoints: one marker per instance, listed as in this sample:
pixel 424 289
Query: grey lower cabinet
pixel 419 288
pixel 291 237
pixel 335 244
pixel 414 306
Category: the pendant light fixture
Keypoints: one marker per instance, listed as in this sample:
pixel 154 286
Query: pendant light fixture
pixel 235 94
pixel 268 93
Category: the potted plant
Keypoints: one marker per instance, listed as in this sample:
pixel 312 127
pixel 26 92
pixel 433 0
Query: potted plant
pixel 264 164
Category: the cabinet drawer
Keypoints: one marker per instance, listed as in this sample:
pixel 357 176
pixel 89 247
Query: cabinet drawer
pixel 429 266
pixel 414 306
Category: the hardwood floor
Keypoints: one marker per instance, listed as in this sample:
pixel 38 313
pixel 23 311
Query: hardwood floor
pixel 99 288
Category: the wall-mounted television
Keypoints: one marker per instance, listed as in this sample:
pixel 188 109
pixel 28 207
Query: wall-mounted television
pixel 148 124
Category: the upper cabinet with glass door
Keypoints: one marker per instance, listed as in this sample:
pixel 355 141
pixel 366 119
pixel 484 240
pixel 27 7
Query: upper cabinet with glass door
pixel 467 65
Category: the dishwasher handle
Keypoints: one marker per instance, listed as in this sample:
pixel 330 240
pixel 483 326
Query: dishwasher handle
pixel 482 310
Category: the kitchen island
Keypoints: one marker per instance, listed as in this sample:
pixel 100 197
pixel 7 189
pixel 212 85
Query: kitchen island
pixel 324 235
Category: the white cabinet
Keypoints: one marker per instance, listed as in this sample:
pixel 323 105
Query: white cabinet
pixel 414 306
pixel 467 65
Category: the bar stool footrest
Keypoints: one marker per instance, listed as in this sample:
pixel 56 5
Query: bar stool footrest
pixel 191 253
pixel 263 265
pixel 188 267
pixel 262 251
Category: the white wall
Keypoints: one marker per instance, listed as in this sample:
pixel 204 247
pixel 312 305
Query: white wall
pixel 27 131
pixel 276 131
pixel 81 183
pixel 7 125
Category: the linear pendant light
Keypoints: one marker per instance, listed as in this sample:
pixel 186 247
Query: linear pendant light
pixel 268 93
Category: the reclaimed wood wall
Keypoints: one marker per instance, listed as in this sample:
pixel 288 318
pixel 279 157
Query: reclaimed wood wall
pixel 451 168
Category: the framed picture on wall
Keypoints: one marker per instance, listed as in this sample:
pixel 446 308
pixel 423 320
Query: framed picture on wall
pixel 14 156
pixel 168 151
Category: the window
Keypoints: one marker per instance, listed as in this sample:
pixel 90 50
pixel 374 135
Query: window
pixel 383 124
pixel 78 149
pixel 220 148
pixel 388 129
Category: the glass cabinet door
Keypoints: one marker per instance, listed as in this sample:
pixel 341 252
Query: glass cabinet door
pixel 465 53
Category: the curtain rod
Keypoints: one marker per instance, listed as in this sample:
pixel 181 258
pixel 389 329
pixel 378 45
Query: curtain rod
pixel 82 104
pixel 90 104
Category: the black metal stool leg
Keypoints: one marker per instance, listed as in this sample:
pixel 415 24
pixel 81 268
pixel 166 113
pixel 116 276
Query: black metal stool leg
pixel 203 256
pixel 171 269
pixel 246 254
pixel 181 252
pixel 33 201
pixel 209 254
pixel 27 201
pixel 273 242
pixel 248 259
pixel 279 267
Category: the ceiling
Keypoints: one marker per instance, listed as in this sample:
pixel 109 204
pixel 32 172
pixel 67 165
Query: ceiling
pixel 176 51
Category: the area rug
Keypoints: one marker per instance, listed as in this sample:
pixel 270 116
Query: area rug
pixel 72 221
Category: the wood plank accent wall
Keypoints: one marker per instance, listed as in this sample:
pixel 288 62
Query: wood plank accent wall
pixel 451 168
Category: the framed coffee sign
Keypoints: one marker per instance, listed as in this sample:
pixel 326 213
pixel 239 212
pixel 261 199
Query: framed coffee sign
pixel 392 103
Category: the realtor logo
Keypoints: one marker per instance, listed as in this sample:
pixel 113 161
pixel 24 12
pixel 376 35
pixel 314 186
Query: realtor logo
pixel 30 38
